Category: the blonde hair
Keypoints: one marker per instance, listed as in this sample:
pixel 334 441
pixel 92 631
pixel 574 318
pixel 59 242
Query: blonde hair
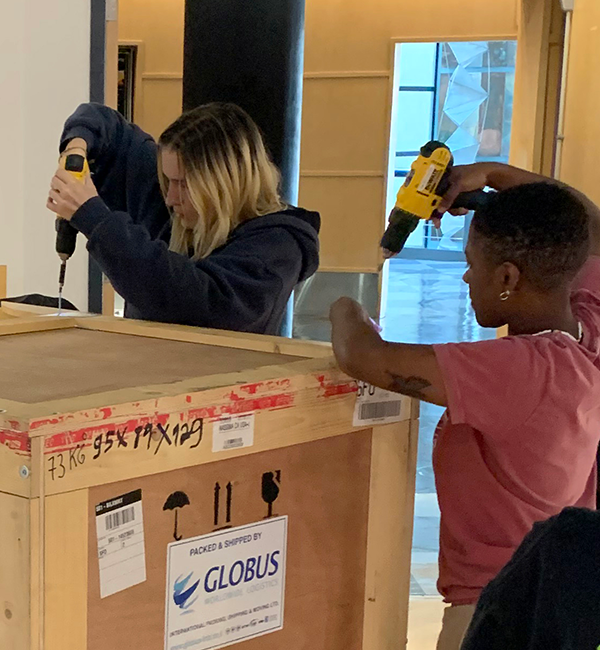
pixel 229 175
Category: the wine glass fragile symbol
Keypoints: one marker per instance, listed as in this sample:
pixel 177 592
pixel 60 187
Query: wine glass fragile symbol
pixel 270 489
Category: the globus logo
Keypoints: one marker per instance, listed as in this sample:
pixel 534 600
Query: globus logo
pixel 241 571
pixel 183 596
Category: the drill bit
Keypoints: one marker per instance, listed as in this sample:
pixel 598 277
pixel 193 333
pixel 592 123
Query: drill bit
pixel 61 284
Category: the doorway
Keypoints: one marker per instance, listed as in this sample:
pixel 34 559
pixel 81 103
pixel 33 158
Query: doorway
pixel 460 93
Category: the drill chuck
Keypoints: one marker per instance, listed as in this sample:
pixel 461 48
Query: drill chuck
pixel 66 239
pixel 61 276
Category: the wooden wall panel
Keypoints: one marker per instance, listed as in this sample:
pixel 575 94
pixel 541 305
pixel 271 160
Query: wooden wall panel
pixel 347 106
pixel 350 206
pixel 162 103
pixel 159 23
pixel 350 134
pixel 530 84
pixel 157 27
pixel 582 126
pixel 355 35
pixel 553 81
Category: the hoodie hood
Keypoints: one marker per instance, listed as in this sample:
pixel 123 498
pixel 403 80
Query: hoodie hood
pixel 303 225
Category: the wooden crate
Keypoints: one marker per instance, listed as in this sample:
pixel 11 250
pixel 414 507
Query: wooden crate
pixel 95 407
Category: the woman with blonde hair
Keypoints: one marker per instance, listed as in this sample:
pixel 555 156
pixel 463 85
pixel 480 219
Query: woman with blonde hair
pixel 192 230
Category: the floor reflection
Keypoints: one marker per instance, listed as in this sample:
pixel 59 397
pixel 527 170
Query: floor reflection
pixel 428 302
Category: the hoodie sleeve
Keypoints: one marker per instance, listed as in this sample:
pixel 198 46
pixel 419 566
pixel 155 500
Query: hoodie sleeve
pixel 237 287
pixel 123 161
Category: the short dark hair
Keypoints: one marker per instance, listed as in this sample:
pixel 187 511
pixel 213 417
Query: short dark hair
pixel 542 228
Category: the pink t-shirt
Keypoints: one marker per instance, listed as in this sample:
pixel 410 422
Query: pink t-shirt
pixel 518 442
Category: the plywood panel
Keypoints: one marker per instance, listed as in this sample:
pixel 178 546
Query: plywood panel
pixel 352 133
pixel 352 220
pixel 14 455
pixel 46 366
pixel 66 582
pixel 324 489
pixel 355 35
pixel 34 571
pixel 393 466
pixel 14 572
pixel 2 281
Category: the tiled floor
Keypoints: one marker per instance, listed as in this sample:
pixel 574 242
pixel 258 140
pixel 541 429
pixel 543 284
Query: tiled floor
pixel 424 622
pixel 428 302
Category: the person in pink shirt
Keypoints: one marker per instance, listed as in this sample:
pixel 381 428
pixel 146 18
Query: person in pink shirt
pixel 518 440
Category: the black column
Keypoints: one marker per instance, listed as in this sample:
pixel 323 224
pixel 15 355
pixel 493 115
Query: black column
pixel 97 69
pixel 250 52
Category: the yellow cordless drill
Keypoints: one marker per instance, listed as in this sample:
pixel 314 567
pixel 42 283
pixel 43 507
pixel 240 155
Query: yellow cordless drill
pixel 421 193
pixel 66 234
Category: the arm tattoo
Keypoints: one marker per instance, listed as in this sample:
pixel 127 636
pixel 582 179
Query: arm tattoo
pixel 411 386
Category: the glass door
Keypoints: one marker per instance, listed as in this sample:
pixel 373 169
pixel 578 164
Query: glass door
pixel 462 94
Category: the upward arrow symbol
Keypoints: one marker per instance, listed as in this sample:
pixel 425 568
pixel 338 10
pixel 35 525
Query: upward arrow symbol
pixel 229 495
pixel 217 491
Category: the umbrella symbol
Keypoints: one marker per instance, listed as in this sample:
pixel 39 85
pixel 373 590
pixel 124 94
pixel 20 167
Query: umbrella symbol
pixel 174 501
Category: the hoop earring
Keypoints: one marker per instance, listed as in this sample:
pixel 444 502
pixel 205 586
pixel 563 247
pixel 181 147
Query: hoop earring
pixel 504 295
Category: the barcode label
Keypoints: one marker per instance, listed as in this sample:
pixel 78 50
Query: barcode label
pixel 121 549
pixel 119 518
pixel 233 443
pixel 377 410
pixel 377 406
pixel 233 432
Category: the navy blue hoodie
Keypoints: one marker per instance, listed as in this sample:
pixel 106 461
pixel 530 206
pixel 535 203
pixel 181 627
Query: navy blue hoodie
pixel 244 285
pixel 548 596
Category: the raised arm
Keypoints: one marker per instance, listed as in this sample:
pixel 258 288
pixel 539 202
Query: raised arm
pixel 400 367
pixel 123 162
pixel 501 177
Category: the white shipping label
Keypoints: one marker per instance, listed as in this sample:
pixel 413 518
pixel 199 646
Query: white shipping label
pixel 121 550
pixel 378 406
pixel 226 587
pixel 233 433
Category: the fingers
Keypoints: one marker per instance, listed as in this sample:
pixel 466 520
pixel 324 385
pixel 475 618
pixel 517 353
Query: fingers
pixel 51 205
pixel 56 183
pixel 449 198
pixel 65 176
pixel 463 178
